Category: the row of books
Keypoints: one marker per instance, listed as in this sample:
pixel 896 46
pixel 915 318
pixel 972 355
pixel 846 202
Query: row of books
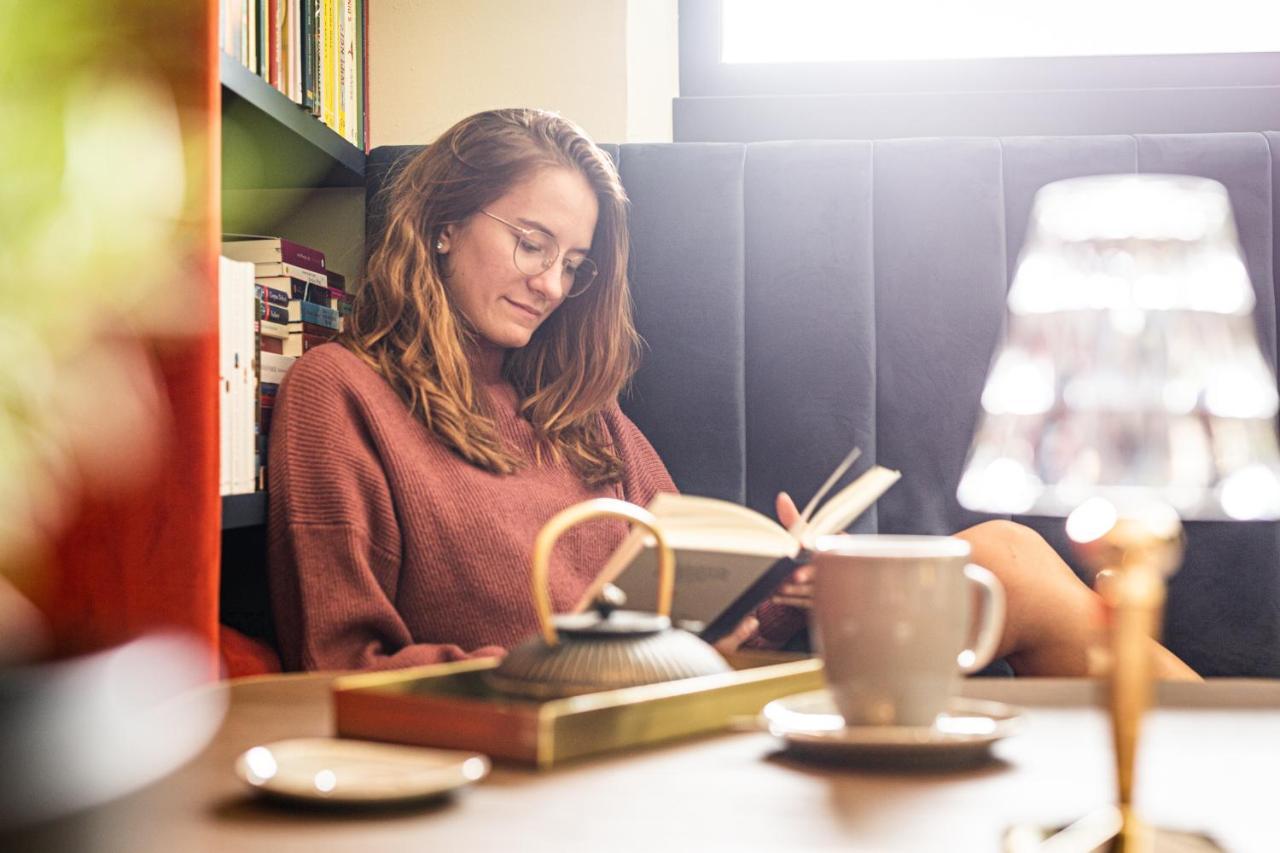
pixel 276 300
pixel 311 50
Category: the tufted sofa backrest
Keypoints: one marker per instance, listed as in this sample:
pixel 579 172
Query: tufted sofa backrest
pixel 798 298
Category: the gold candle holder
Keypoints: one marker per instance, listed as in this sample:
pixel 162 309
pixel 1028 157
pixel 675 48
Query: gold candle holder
pixel 1130 391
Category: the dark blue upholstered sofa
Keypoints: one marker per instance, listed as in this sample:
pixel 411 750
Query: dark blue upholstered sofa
pixel 800 297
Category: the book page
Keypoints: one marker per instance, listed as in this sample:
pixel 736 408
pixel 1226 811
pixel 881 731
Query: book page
pixel 696 524
pixel 706 582
pixel 849 503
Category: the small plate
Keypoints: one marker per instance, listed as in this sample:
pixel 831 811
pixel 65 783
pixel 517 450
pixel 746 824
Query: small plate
pixel 809 723
pixel 335 770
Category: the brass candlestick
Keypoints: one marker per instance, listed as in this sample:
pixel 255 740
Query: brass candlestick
pixel 1131 560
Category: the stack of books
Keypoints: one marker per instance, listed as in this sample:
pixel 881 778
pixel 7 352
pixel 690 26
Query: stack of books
pixel 290 308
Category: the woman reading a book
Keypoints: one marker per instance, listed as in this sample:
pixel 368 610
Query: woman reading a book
pixel 473 395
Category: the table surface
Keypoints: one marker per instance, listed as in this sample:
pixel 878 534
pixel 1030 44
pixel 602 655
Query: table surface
pixel 1210 758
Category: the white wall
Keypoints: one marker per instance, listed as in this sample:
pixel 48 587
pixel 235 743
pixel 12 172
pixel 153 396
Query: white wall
pixel 653 66
pixel 609 65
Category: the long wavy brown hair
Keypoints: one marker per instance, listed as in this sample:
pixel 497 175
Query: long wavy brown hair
pixel 405 327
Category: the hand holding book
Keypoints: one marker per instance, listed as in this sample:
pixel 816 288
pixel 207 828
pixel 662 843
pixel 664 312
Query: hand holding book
pixel 797 590
pixel 730 559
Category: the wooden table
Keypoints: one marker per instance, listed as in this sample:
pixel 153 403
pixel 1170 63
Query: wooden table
pixel 1210 761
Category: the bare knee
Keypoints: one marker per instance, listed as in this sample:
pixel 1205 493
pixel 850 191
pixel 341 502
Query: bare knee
pixel 1001 536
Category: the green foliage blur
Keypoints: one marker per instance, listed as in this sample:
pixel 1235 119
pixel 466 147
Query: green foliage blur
pixel 93 188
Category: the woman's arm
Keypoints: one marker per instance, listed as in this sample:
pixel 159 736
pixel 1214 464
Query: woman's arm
pixel 333 537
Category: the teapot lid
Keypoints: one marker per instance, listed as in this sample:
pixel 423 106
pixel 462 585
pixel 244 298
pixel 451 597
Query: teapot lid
pixel 610 624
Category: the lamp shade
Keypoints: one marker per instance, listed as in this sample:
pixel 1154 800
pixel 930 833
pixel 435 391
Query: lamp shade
pixel 1130 369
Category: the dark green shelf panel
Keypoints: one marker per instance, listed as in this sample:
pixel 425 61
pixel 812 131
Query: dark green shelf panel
pixel 244 510
pixel 269 142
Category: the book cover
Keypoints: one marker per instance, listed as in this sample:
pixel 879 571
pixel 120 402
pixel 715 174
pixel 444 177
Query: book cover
pixel 729 558
pixel 271 345
pixel 262 250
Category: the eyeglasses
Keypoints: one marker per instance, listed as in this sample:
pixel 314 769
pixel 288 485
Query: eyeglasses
pixel 536 252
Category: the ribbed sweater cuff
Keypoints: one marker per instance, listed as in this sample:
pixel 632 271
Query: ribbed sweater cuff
pixel 778 624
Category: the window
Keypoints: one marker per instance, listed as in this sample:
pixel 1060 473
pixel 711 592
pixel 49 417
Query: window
pixel 874 69
pixel 767 47
pixel 893 30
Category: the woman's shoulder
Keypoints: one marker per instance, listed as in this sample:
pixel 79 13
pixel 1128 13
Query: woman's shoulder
pixel 626 436
pixel 330 362
pixel 331 376
pixel 331 369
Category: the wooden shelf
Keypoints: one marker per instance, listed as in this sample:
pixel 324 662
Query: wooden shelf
pixel 244 510
pixel 269 142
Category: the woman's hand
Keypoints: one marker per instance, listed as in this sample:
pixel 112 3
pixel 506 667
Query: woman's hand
pixel 797 591
pixel 734 639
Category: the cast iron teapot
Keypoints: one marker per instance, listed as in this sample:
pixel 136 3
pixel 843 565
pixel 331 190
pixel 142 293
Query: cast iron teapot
pixel 606 649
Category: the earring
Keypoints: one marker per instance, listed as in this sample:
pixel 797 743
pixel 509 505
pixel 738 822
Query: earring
pixel 439 245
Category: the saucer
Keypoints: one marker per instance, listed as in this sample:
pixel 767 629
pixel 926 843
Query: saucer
pixel 810 724
pixel 335 770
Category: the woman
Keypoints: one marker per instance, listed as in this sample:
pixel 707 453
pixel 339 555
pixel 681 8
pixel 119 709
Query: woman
pixel 474 395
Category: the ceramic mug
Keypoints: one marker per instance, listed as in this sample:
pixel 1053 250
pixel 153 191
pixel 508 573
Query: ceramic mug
pixel 893 614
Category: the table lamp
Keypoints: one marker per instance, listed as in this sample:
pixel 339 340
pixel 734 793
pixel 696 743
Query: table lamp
pixel 1129 393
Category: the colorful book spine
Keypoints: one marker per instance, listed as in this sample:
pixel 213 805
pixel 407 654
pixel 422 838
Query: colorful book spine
pixel 317 57
pixel 275 250
pixel 275 313
pixel 273 368
pixel 272 295
pixel 270 329
pixel 283 270
pixel 273 43
pixel 307 291
pixel 300 342
pixel 362 63
pixel 307 26
pixel 301 311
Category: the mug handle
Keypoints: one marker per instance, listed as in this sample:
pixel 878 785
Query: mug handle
pixel 992 620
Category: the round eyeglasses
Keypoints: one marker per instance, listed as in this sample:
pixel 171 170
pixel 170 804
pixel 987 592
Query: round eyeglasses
pixel 536 252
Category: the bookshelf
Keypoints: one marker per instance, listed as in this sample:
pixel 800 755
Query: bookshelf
pixel 269 142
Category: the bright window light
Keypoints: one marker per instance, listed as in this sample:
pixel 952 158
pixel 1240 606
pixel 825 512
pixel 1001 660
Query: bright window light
pixel 843 31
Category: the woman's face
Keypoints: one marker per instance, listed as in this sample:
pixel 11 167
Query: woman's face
pixel 501 303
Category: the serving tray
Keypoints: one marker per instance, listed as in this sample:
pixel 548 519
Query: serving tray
pixel 451 706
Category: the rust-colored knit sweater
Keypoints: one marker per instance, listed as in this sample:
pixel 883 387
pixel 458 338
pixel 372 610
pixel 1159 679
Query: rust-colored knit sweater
pixel 387 549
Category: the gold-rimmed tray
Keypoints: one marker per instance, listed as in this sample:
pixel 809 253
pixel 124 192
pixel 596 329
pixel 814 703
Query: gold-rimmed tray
pixel 451 706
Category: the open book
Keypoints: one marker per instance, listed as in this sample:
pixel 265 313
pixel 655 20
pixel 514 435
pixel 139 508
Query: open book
pixel 729 558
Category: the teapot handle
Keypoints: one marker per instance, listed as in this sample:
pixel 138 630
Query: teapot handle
pixel 597 508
